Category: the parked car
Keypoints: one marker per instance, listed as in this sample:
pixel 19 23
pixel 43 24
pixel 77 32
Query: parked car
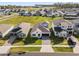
pixel 71 42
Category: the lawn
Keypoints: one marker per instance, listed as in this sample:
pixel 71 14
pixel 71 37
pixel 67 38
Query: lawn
pixel 29 19
pixel 2 41
pixel 24 49
pixel 77 36
pixel 63 49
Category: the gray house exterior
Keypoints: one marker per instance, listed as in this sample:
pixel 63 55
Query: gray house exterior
pixel 39 31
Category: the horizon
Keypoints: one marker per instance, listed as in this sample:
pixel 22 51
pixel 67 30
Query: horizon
pixel 30 3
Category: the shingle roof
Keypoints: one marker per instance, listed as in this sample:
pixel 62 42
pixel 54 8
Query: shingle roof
pixel 41 28
pixel 25 27
pixel 63 22
pixel 4 28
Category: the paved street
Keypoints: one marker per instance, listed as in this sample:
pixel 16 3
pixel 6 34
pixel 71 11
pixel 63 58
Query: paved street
pixel 46 46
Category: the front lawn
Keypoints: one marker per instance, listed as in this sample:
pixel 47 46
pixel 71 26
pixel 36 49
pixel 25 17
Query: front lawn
pixel 24 49
pixel 63 49
pixel 77 36
pixel 2 41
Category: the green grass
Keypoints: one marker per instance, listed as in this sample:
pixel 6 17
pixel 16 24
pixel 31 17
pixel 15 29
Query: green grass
pixel 30 19
pixel 63 49
pixel 77 36
pixel 29 42
pixel 2 41
pixel 24 49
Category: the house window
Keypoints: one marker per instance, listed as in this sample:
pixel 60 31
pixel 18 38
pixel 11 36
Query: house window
pixel 33 34
pixel 38 34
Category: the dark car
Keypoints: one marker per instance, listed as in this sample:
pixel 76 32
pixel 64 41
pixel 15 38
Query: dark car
pixel 71 42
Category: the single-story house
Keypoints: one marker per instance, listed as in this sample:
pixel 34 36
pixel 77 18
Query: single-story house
pixel 62 28
pixel 39 31
pixel 20 31
pixel 5 29
pixel 71 15
pixel 50 13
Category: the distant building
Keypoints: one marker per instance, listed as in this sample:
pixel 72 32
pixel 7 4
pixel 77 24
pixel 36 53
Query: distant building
pixel 71 15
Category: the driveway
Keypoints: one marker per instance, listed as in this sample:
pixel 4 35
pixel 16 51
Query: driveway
pixel 46 46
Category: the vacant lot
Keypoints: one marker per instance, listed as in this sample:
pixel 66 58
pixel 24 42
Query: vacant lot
pixel 29 19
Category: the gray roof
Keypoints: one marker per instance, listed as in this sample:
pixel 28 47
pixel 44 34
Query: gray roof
pixel 74 21
pixel 41 28
pixel 4 28
pixel 25 27
pixel 57 22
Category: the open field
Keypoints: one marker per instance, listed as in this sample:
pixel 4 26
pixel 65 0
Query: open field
pixel 24 49
pixel 31 19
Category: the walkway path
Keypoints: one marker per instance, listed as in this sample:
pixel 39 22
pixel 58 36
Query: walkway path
pixel 46 46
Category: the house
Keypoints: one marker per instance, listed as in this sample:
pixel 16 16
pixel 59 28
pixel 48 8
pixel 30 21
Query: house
pixel 62 28
pixel 76 25
pixel 20 31
pixel 50 13
pixel 37 13
pixel 5 29
pixel 71 15
pixel 7 12
pixel 39 31
pixel 22 12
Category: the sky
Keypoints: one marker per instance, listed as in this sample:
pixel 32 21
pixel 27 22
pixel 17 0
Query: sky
pixel 33 2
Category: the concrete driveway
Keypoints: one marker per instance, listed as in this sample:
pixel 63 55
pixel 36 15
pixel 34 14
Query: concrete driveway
pixel 46 46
